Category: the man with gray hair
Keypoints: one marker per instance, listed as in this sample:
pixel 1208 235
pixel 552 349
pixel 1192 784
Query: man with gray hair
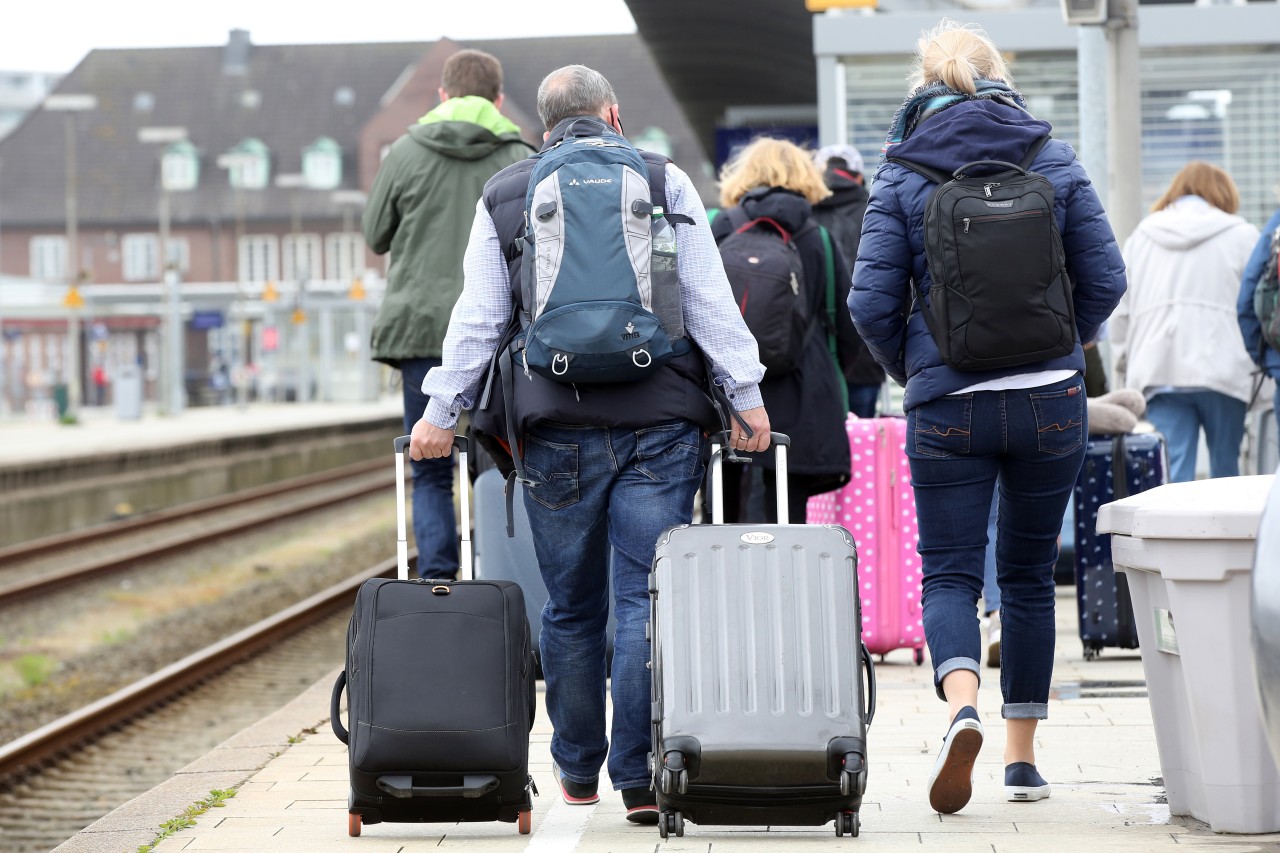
pixel 610 465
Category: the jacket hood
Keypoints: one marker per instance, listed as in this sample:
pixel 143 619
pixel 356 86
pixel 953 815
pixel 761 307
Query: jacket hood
pixel 970 131
pixel 844 190
pixel 1186 223
pixel 467 128
pixel 790 210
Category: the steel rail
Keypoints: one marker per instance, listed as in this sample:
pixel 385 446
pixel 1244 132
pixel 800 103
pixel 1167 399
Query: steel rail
pixel 49 741
pixel 93 569
pixel 59 541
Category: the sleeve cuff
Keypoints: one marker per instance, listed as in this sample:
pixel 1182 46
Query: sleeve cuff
pixel 745 397
pixel 439 415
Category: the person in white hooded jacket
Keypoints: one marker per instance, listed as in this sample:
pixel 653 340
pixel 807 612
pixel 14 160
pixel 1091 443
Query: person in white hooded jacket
pixel 1174 335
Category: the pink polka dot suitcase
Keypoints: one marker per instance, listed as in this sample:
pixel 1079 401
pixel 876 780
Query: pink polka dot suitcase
pixel 878 508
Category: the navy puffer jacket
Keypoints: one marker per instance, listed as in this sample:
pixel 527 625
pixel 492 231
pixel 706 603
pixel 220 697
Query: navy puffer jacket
pixel 891 254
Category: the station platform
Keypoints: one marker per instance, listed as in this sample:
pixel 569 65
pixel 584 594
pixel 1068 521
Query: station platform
pixel 1097 749
pixel 99 431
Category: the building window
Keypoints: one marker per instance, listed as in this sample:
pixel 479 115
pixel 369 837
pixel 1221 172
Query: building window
pixel 344 255
pixel 138 260
pixel 144 102
pixel 259 258
pixel 180 167
pixel 322 164
pixel 250 99
pixel 301 257
pixel 49 258
pixel 344 96
pixel 251 165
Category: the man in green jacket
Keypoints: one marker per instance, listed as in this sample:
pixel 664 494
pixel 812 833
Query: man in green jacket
pixel 420 209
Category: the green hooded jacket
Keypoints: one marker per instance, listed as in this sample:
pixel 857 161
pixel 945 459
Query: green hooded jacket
pixel 421 208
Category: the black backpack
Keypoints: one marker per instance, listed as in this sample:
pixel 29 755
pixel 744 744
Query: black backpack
pixel 767 276
pixel 1001 296
pixel 1266 298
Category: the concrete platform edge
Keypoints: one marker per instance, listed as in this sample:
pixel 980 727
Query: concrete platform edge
pixel 228 765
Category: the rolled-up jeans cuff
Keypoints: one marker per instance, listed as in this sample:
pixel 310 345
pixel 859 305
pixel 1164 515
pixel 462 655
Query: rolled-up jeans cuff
pixel 1025 711
pixel 949 666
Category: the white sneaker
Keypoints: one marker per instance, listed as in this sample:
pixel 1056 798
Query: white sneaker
pixel 993 640
pixel 951 783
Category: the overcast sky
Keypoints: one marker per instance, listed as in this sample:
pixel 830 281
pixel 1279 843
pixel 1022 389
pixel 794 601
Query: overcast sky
pixel 54 35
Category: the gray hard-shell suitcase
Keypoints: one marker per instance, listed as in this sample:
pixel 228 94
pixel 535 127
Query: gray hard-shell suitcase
pixel 440 693
pixel 760 712
pixel 500 556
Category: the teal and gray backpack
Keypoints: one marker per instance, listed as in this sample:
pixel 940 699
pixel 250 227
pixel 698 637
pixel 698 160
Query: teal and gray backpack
pixel 600 293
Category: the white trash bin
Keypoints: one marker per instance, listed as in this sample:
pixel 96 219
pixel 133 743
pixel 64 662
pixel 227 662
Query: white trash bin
pixel 1187 550
pixel 127 392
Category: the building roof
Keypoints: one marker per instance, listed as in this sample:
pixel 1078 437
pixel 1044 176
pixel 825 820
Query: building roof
pixel 295 88
pixel 749 53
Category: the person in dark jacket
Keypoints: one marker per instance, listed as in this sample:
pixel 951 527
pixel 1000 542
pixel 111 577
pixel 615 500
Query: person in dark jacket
pixel 1266 357
pixel 776 180
pixel 1024 425
pixel 841 213
pixel 420 210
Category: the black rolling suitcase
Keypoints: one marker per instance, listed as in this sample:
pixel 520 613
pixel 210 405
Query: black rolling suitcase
pixel 440 686
pixel 1115 466
pixel 760 712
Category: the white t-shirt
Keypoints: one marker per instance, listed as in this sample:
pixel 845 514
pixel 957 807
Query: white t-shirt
pixel 1034 379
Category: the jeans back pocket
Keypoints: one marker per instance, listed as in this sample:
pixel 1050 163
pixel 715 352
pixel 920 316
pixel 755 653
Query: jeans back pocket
pixel 1060 419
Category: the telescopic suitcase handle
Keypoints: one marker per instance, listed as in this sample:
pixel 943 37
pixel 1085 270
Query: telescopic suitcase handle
pixel 720 448
pixel 467 572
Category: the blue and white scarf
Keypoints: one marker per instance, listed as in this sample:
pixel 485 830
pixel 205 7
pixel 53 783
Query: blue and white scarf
pixel 932 98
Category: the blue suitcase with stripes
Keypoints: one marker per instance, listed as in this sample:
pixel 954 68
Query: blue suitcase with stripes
pixel 1115 466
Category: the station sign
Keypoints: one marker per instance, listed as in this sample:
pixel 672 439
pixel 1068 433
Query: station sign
pixel 205 320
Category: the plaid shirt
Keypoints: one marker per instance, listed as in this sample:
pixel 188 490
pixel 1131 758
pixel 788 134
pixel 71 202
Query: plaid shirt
pixel 481 313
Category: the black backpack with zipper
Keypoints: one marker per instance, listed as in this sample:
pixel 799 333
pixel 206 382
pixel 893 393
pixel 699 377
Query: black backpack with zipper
pixel 766 273
pixel 1000 296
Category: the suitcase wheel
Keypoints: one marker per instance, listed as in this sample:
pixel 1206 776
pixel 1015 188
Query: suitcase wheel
pixel 919 656
pixel 525 822
pixel 671 823
pixel 1090 653
pixel 675 776
pixel 353 825
pixel 848 823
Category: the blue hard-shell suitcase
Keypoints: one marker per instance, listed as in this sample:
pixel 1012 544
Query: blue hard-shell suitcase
pixel 1102 596
pixel 502 557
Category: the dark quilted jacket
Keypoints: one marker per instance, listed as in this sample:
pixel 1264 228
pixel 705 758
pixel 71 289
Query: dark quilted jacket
pixel 891 253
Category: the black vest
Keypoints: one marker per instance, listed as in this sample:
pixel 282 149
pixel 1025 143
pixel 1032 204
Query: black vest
pixel 676 392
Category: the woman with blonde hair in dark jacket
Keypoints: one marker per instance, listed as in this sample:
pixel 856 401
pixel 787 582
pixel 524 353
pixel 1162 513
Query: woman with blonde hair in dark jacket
pixel 773 184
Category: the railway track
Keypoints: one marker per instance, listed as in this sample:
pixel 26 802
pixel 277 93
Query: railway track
pixel 56 780
pixel 56 562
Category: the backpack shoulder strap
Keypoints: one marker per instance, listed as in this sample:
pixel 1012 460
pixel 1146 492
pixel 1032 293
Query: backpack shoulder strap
pixel 1026 161
pixel 657 167
pixel 935 175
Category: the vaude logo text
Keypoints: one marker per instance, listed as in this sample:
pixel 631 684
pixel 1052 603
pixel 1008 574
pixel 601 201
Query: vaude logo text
pixel 575 182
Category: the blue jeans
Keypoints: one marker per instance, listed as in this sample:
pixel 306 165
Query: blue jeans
pixel 863 399
pixel 1032 440
pixel 435 527
pixel 600 488
pixel 1179 416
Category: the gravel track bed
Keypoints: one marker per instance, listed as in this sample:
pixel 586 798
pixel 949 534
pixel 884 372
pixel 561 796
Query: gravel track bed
pixel 50 807
pixel 239 582
pixel 123 542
